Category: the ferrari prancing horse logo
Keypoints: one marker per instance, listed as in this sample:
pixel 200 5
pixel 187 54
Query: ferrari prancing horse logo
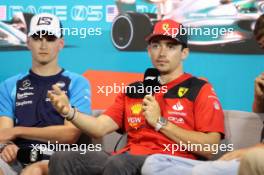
pixel 182 91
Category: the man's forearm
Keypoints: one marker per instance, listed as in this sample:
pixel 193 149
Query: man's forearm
pixel 62 134
pixel 95 127
pixel 184 136
pixel 258 105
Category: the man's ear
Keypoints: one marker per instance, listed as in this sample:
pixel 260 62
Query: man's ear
pixel 185 53
pixel 61 43
pixel 148 50
pixel 28 43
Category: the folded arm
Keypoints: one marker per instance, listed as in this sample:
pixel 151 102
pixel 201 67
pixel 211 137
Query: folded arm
pixel 66 133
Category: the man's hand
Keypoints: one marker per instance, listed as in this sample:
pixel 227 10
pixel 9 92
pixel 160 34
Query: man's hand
pixel 59 100
pixel 9 153
pixel 259 87
pixel 7 134
pixel 41 167
pixel 234 154
pixel 151 110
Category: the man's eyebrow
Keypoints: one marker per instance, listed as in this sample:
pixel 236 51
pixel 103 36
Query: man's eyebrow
pixel 155 42
pixel 172 43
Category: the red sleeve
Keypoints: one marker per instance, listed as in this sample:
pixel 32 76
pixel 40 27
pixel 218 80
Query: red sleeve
pixel 209 115
pixel 117 109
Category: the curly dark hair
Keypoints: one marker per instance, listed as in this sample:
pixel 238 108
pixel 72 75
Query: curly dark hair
pixel 259 27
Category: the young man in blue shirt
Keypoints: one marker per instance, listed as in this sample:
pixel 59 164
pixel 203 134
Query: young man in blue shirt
pixel 26 115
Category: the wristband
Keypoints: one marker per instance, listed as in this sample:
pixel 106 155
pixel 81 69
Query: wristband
pixel 72 114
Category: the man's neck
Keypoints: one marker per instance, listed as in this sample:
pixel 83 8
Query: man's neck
pixel 166 78
pixel 46 70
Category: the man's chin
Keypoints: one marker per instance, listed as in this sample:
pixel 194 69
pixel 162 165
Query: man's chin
pixel 43 63
pixel 162 70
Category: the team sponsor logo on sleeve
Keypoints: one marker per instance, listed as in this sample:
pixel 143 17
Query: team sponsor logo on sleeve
pixel 184 114
pixel 21 96
pixel 213 96
pixel 178 106
pixel 26 85
pixel 136 109
pixel 24 103
pixel 216 105
pixel 213 91
pixel 178 120
pixel 182 91
pixel 135 121
pixel 177 109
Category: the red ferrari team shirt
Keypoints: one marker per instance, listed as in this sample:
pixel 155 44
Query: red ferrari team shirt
pixel 188 102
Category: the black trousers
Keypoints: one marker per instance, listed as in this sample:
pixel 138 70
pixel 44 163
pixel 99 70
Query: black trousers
pixel 95 163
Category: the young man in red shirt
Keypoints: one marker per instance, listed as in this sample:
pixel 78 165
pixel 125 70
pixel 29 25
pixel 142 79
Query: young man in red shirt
pixel 189 112
pixel 246 161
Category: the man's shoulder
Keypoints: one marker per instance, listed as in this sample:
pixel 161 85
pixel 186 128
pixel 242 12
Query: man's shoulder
pixel 189 88
pixel 77 81
pixel 198 81
pixel 190 82
pixel 73 75
pixel 13 79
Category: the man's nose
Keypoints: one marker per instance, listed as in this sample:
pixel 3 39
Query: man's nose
pixel 163 50
pixel 43 44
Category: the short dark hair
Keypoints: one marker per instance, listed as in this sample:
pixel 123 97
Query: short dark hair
pixel 156 39
pixel 259 27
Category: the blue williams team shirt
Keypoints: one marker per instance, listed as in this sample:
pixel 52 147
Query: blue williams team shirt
pixel 23 98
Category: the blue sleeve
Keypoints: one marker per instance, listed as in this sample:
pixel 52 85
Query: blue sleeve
pixel 7 98
pixel 80 94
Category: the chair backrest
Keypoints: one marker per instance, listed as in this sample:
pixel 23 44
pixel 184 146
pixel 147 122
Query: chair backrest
pixel 243 129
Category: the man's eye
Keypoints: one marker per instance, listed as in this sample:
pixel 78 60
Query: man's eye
pixel 171 46
pixel 36 37
pixel 155 46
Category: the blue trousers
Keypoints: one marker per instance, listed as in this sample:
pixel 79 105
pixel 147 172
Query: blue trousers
pixel 160 164
pixel 12 169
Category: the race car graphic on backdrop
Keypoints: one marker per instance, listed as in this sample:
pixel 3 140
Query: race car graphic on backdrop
pixel 215 26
